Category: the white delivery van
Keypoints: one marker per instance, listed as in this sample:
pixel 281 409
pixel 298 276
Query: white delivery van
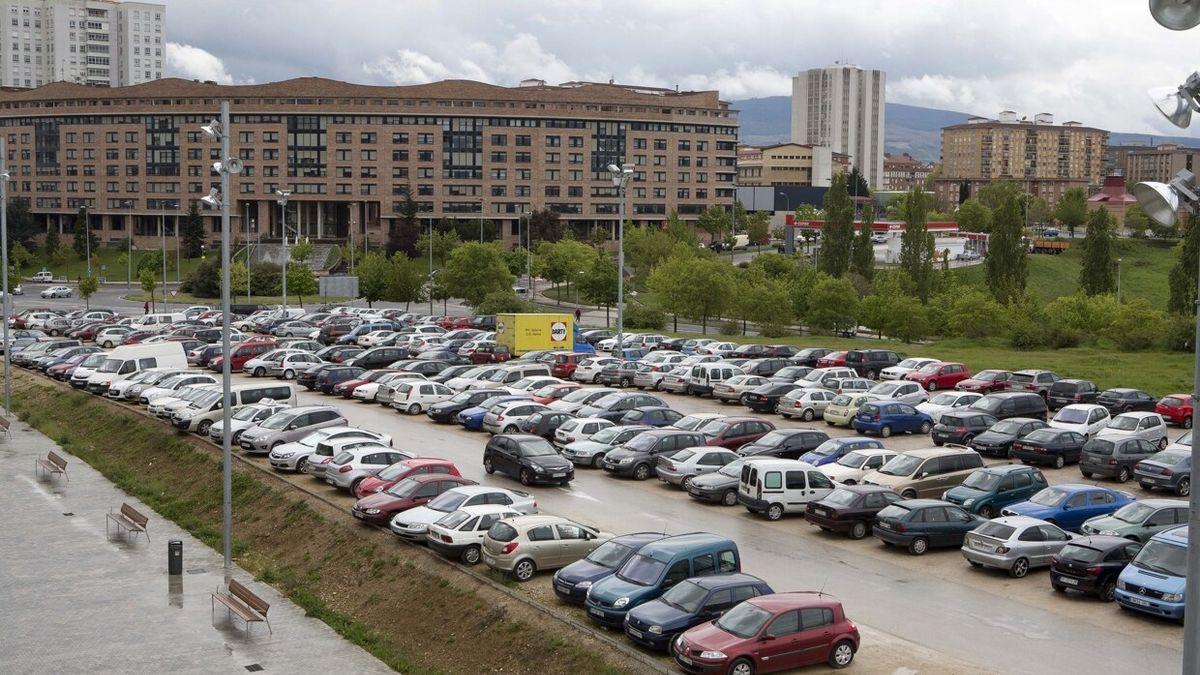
pixel 705 376
pixel 126 360
pixel 774 487
pixel 155 323
pixel 200 414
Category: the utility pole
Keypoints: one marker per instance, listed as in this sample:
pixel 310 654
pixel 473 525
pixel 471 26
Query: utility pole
pixel 7 300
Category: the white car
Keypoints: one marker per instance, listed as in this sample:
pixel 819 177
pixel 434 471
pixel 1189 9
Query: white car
pixel 898 371
pixel 826 378
pixel 257 366
pixel 292 329
pixel 173 384
pixel 1148 426
pixel 947 401
pixel 414 523
pixel 57 292
pixel 528 385
pixel 589 369
pixel 460 534
pixel 289 365
pixel 375 337
pixel 662 357
pixel 733 389
pixel 695 421
pixel 415 397
pixel 609 344
pixel 472 376
pixel 908 392
pixel 243 418
pixel 293 456
pixel 575 400
pixel 721 349
pixel 506 417
pixel 355 459
pixel 1084 418
pixel 579 428
pixel 38 320
pixel 850 469
pixel 1183 443
pixel 807 404
pixel 366 392
pixel 681 467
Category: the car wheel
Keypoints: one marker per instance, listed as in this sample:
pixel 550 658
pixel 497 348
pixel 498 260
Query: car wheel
pixel 1059 462
pixel 54 332
pixel 885 431
pixel 511 429
pixel 858 530
pixel 938 443
pixel 849 482
pixel 1184 488
pixel 1123 474
pixel 300 463
pixel 742 399
pixel 203 427
pixel 596 461
pixel 774 512
pixel 909 494
pixel 641 472
pixel 1057 588
pixel 1145 486
pixel 625 383
pixel 596 378
pixel 526 477
pixel 686 482
pixel 487 465
pixel 355 484
pixel 1187 422
pixel 808 415
pixel 785 416
pixel 1087 474
pixel 918 546
pixel 289 374
pixel 730 498
pixel 925 427
pixel 1162 443
pixel 1019 569
pixel 471 555
pixel 414 409
pixel 872 374
pixel 524 570
pixel 742 667
pixel 932 386
pixel 967 439
pixel 842 654
pixel 987 511
pixel 259 372
pixel 1108 590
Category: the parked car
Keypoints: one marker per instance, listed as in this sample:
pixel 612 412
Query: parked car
pixel 589 369
pixel 1036 381
pixel 354 460
pixel 613 406
pixel 571 583
pixel 638 456
pixel 834 449
pixel 550 393
pixel 579 398
pixel 1147 426
pixel 832 360
pixel 790 401
pixel 406 468
pixel 887 418
pixel 1051 446
pixel 544 423
pixel 530 458
pixel 1176 409
pixel 842 409
pixel 850 509
pixel 737 387
pixel 869 363
pixel 1091 564
pixel 288 425
pixel 947 401
pixel 1139 521
pixel 1015 544
pixel 1006 404
pixel 695 420
pixel 57 292
pixel 1155 581
pixel 907 392
pixel 651 416
pixel 961 426
pixel 523 545
pixel 903 368
pixel 1069 504
pixel 989 489
pixel 998 439
pixel 1068 391
pixel 592 450
pixel 776 487
pixel 925 473
pixel 1114 457
pixel 851 467
pixel 413 396
pixel 413 524
pixel 934 376
pixel 785 443
pixel 919 524
pixel 682 467
pixel 734 431
pixel 1170 469
pixel 1087 419
pixel 657 623
pixel 460 534
pixel 507 416
pixel 1122 400
pixel 578 428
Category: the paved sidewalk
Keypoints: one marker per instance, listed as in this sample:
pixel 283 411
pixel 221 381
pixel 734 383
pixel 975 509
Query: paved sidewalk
pixel 72 601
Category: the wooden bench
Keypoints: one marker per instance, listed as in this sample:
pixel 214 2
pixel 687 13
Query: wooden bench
pixel 241 601
pixel 53 464
pixel 4 424
pixel 128 519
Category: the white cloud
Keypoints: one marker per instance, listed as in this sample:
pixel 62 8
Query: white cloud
pixel 520 58
pixel 194 63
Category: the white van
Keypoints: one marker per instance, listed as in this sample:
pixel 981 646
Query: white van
pixel 774 487
pixel 705 376
pixel 200 414
pixel 155 323
pixel 510 373
pixel 129 359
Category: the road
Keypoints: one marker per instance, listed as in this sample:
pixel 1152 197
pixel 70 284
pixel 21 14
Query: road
pixel 935 602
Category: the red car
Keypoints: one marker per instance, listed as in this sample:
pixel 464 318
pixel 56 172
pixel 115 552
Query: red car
pixel 378 508
pixel 986 381
pixel 769 633
pixel 564 365
pixel 1176 409
pixel 552 392
pixel 454 322
pixel 944 375
pixel 735 431
pixel 86 332
pixel 832 359
pixel 137 336
pixel 397 472
pixel 346 389
pixel 490 352
pixel 243 352
pixel 62 371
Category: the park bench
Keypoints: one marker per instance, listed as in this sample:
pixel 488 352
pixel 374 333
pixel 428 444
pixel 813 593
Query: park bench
pixel 51 465
pixel 128 519
pixel 4 424
pixel 241 601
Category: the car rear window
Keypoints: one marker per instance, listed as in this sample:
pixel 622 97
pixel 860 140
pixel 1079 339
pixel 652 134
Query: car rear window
pixel 895 511
pixel 1081 553
pixel 952 421
pixel 1172 402
pixel 1022 378
pixel 343 457
pixel 997 530
pixel 502 532
pixel 1061 387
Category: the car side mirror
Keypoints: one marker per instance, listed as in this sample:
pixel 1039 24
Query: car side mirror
pixel 923 474
pixel 766 638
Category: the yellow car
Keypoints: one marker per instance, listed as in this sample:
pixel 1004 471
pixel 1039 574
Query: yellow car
pixel 843 408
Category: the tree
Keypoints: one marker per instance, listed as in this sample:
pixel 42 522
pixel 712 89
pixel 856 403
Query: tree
pixel 444 242
pixel 22 226
pixel 475 270
pixel 916 243
pixel 405 280
pixel 1182 278
pixel 504 302
pixel 301 282
pixel 562 262
pixel 149 284
pixel 191 232
pixel 545 225
pixel 996 192
pixel 715 221
pixel 678 230
pixel 862 260
pixel 1072 209
pixel 1037 211
pixel 973 216
pixel 832 305
pixel 403 231
pixel 646 247
pixel 239 275
pixel 856 184
pixel 301 251
pixel 374 278
pixel 908 319
pixel 83 234
pixel 669 282
pixel 19 258
pixel 598 282
pixel 758 228
pixel 87 288
pixel 1097 271
pixel 676 280
pixel 838 233
pixel 1006 265
pixel 52 245
pixel 763 301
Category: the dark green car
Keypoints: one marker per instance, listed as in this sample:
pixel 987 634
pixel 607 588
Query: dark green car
pixel 990 489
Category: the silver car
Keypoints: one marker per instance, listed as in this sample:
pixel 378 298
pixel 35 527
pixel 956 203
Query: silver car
pixel 903 390
pixel 807 404
pixel 1014 544
pixel 317 447
pixel 733 389
pixel 359 458
pixel 681 467
pixel 414 523
pixel 575 400
pixel 506 417
pixel 591 451
pixel 243 418
pixel 290 425
pixel 523 545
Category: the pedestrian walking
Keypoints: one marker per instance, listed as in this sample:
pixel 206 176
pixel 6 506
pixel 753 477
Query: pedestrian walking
pixel 578 314
pixel 146 307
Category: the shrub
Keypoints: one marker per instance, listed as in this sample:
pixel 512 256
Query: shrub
pixel 502 302
pixel 1025 333
pixel 773 330
pixel 730 327
pixel 642 316
pixel 1181 333
pixel 1137 326
pixel 203 282
pixel 266 279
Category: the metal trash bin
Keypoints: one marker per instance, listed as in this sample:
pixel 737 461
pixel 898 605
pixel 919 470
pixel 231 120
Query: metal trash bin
pixel 175 557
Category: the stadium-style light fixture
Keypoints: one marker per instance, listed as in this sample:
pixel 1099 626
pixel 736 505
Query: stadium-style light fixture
pixel 1176 14
pixel 214 130
pixel 213 200
pixel 1161 201
pixel 1178 103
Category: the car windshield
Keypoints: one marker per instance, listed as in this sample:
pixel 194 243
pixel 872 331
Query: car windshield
pixel 1099 446
pixel 1081 553
pixel 1134 513
pixel 1072 416
pixel 93 360
pixel 641 570
pixel 455 519
pixel 1123 423
pixel 1007 427
pixel 827 449
pixel 641 443
pixel 608 400
pixel 841 400
pixel 207 398
pixel 982 480
pixel 246 414
pixel 538 447
pixel 1042 436
pixel 577 396
pixel 394 471
pixel 901 465
pixel 691 422
pixel 546 390
pixel 686 596
pixel 447 501
pixel 109 365
pixel 884 389
pixel 909 363
pixel 1172 402
pixel 714 428
pixel 1159 556
pixel 277 421
pixel 997 530
pixel 988 375
pixel 609 554
pixel 732 469
pixel 944 398
pixel 402 489
pixel 1171 457
pixel 897 511
pixel 1049 497
pixel 951 421
pixel 852 459
pixel 744 620
pixel 929 368
pixel 605 435
pixel 841 497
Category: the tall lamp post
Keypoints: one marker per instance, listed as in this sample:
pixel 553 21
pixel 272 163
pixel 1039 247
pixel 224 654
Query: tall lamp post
pixel 128 244
pixel 281 197
pixel 431 266
pixel 7 299
pixel 218 130
pixel 621 176
pixel 789 244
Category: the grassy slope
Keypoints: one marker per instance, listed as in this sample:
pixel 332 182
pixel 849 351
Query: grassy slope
pixel 75 268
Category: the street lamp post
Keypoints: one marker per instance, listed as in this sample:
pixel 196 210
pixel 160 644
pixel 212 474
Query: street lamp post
pixel 789 244
pixel 87 239
pixel 128 246
pixel 281 197
pixel 1118 281
pixel 7 299
pixel 431 266
pixel 620 179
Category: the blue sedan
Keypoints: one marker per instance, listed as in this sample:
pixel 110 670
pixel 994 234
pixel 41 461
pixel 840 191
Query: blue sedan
pixel 889 417
pixel 472 418
pixel 835 448
pixel 1070 504
pixel 651 416
pixel 572 582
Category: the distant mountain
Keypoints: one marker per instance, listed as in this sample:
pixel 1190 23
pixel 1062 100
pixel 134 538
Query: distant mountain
pixel 907 128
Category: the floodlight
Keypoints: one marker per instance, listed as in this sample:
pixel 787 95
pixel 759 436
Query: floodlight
pixel 1161 201
pixel 233 165
pixel 213 130
pixel 213 200
pixel 1177 103
pixel 1176 14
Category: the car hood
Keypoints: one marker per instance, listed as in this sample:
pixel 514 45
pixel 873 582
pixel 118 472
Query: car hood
pixel 1110 523
pixel 994 437
pixel 617 454
pixel 472 411
pixel 611 588
pixel 963 492
pixel 590 411
pixel 1116 434
pixel 1136 576
pixel 885 479
pixel 1028 508
pixel 708 637
pixel 583 570
pixel 421 515
pixel 837 472
pixel 658 613
pixel 715 479
pixel 550 462
pixel 256 432
pixel 448 406
pixel 587 446
pixel 382 500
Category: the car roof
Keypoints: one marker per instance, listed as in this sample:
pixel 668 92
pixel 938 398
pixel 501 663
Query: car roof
pixel 522 437
pixel 668 547
pixel 1083 406
pixel 922 503
pixel 535 519
pixel 485 509
pixel 844 439
pixel 776 602
pixel 1138 414
pixel 1005 469
pixel 714 581
pixel 1123 390
pixel 1031 371
pixel 1176 535
pixel 1080 487
pixel 482 489
pixel 1019 521
pixel 859 488
pixel 1162 502
pixel 312 408
pixel 638 539
pixel 926 453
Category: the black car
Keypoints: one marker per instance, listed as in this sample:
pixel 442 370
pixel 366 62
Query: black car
pixel 638 456
pixel 921 524
pixel 1005 404
pixel 961 426
pixel 784 443
pixel 850 509
pixel 484 322
pixel 424 367
pixel 670 344
pixel 765 367
pixel 451 373
pixel 339 353
pixel 765 397
pixel 308 378
pixel 593 336
pixel 1126 400
pixel 1049 446
pixel 447 411
pixel 868 362
pixel 529 458
pixel 1092 564
pixel 614 406
pixel 327 380
pixel 790 373
pixel 377 357
pixel 1066 392
pixel 809 356
pixel 998 440
pixel 544 423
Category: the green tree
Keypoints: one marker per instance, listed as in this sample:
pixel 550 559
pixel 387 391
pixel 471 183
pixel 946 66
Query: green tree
pixel 715 221
pixel 773 265
pixel 972 313
pixel 1006 266
pixel 838 233
pixel 1037 211
pixel 444 243
pixel 832 305
pixel 973 216
pixel 916 243
pixel 239 274
pixel 475 270
pixel 191 232
pixel 504 302
pixel 758 229
pixel 19 258
pixel 1072 209
pixel 598 282
pixel 675 282
pixel 406 279
pixel 403 231
pixel 1097 271
pixel 300 252
pixel 856 184
pixel 83 234
pixel 763 301
pixel 23 227
pixel 149 284
pixel 908 319
pixel 88 286
pixel 862 260
pixel 678 230
pixel 996 192
pixel 669 282
pixel 646 247
pixel 374 278
pixel 52 245
pixel 301 282
pixel 562 262
pixel 1182 278
pixel 545 225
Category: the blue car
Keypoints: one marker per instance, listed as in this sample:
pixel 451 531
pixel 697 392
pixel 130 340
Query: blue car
pixel 351 338
pixel 890 417
pixel 657 416
pixel 835 448
pixel 472 418
pixel 690 603
pixel 1154 583
pixel 1070 504
pixel 572 582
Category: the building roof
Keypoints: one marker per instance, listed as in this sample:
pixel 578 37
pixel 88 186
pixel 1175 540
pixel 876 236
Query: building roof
pixel 1113 192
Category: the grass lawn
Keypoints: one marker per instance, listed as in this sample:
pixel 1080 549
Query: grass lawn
pixel 75 268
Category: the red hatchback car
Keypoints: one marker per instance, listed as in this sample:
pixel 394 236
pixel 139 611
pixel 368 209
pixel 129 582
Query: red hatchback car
pixel 490 352
pixel 770 633
pixel 411 492
pixel 986 381
pixel 735 431
pixel 552 392
pixel 346 389
pixel 944 375
pixel 563 366
pixel 397 472
pixel 832 360
pixel 1176 409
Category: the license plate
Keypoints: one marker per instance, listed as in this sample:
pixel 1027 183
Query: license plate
pixel 684 660
pixel 562 589
pixel 489 560
pixel 558 474
pixel 634 632
pixel 596 612
pixel 358 514
pixel 821 512
pixel 1069 581
pixel 978 545
pixel 1139 602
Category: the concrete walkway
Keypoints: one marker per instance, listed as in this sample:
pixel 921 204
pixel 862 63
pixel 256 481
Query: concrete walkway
pixel 74 601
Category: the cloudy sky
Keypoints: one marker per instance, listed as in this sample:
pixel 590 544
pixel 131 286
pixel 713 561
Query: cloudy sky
pixel 1090 61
